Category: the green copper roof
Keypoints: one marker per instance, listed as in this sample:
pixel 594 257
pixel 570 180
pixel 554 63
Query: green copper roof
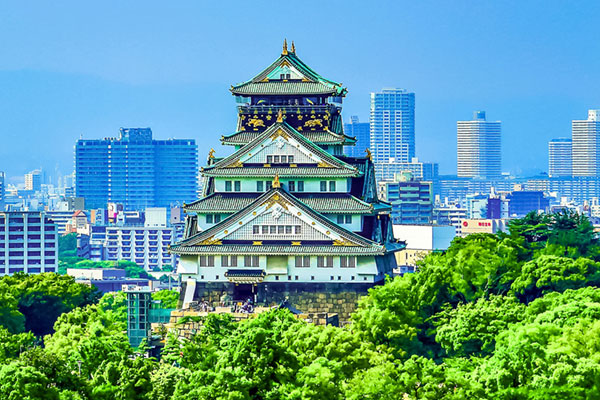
pixel 272 249
pixel 283 172
pixel 311 82
pixel 317 137
pixel 233 202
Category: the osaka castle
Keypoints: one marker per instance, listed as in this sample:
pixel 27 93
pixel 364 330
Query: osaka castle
pixel 287 215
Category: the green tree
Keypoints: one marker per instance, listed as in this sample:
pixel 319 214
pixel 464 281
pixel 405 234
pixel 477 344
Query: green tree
pixel 167 298
pixel 19 381
pixel 471 328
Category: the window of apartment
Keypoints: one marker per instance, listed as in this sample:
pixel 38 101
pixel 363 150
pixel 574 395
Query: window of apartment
pixel 302 261
pixel 325 261
pixel 259 186
pixel 348 261
pixel 207 261
pixel 237 185
pixel 323 186
pixel 229 261
pixel 251 261
pixel 228 185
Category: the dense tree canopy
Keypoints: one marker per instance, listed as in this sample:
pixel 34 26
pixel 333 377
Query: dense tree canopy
pixel 509 316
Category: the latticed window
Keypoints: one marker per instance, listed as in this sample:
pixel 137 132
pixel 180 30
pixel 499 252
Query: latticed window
pixel 229 261
pixel 251 261
pixel 207 261
pixel 325 261
pixel 302 261
pixel 348 261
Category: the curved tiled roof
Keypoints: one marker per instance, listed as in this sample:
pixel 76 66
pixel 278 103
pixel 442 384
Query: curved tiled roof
pixel 233 202
pixel 282 88
pixel 283 172
pixel 317 137
pixel 279 249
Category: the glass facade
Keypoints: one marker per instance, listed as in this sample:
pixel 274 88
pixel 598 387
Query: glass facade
pixel 136 170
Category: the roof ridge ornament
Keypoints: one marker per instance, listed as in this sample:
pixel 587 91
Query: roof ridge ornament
pixel 276 184
pixel 293 49
pixel 280 116
pixel 285 49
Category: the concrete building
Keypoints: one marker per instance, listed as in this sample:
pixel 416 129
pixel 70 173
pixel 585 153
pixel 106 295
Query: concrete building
pixel 28 243
pixel 560 158
pixel 148 247
pixel 586 145
pixel 421 240
pixel 136 170
pixel 419 170
pixel 522 202
pixel 470 226
pixel 449 214
pixel 33 181
pixel 412 200
pixel 478 148
pixel 477 206
pixel 392 126
pixel 362 132
pixel 105 279
pixel 2 189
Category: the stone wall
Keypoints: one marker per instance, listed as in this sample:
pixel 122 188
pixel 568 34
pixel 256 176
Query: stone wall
pixel 316 298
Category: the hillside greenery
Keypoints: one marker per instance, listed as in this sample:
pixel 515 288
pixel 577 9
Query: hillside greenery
pixel 508 316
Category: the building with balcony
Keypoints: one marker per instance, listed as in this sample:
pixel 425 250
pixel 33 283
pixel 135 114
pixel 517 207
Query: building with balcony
pixel 28 243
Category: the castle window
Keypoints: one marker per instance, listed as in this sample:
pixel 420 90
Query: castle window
pixel 228 186
pixel 332 186
pixel 301 186
pixel 348 261
pixel 325 262
pixel 238 186
pixel 207 261
pixel 256 229
pixel 259 186
pixel 229 261
pixel 323 186
pixel 251 261
pixel 209 218
pixel 302 261
pixel 292 186
pixel 269 159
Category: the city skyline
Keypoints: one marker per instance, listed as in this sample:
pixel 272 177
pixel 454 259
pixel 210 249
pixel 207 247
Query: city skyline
pixel 62 78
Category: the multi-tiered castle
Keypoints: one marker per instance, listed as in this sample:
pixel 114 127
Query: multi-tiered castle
pixel 287 214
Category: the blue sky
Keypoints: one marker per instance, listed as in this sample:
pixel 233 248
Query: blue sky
pixel 87 68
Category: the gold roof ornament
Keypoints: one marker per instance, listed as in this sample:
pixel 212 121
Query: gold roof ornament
pixel 276 183
pixel 280 116
pixel 211 153
pixel 285 50
pixel 369 155
pixel 293 49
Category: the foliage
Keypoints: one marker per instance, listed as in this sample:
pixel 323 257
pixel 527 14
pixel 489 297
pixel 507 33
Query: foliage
pixel 167 298
pixel 67 245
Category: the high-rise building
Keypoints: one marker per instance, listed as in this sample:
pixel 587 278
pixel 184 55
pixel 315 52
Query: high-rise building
pixel 560 158
pixel 136 170
pixel 287 215
pixel 586 145
pixel 33 181
pixel 419 170
pixel 28 243
pixel 412 200
pixel 2 190
pixel 362 132
pixel 392 126
pixel 478 148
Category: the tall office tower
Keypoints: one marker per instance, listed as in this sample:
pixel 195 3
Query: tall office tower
pixel 136 170
pixel 586 145
pixel 362 132
pixel 33 180
pixel 478 148
pixel 393 126
pixel 560 157
pixel 2 190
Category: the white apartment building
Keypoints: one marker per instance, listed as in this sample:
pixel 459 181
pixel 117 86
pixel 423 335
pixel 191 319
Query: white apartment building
pixel 478 147
pixel 560 157
pixel 28 243
pixel 586 145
